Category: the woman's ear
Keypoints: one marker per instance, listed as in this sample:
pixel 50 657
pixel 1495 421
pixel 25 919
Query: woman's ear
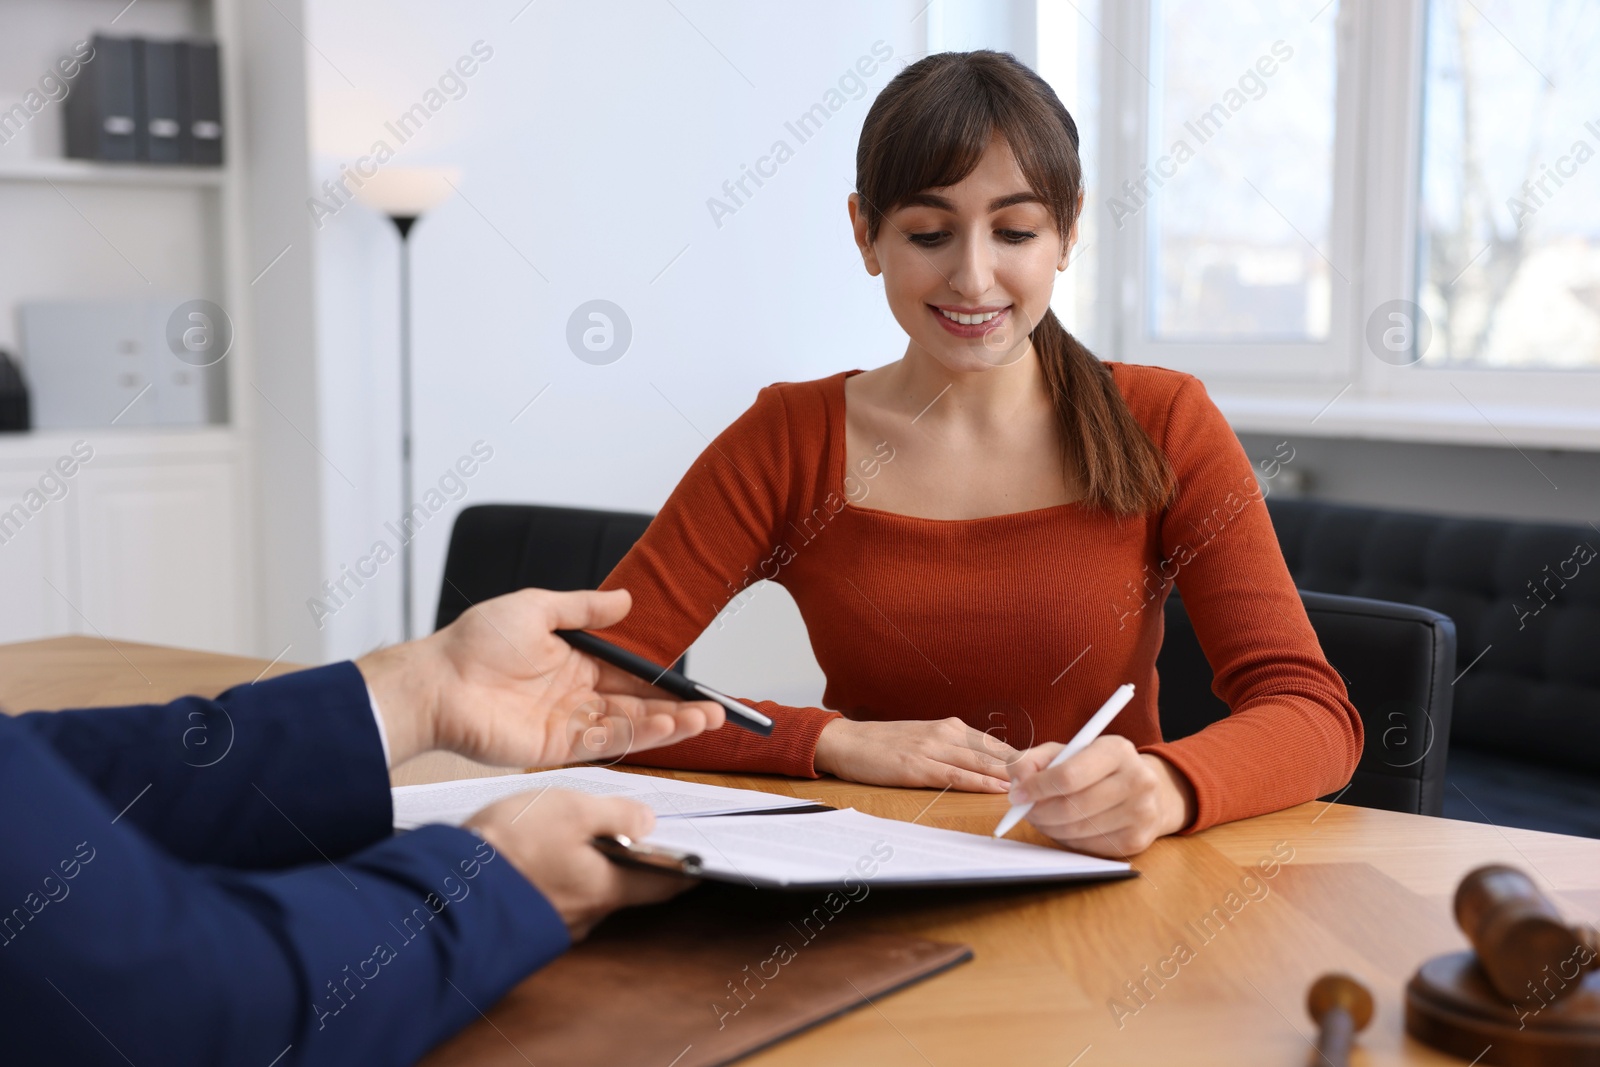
pixel 858 224
pixel 1072 236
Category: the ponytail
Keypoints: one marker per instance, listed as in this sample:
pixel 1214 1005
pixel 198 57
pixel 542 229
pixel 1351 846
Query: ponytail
pixel 1122 469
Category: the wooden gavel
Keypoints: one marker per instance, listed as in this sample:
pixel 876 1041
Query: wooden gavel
pixel 1525 949
pixel 1341 1007
pixel 1520 998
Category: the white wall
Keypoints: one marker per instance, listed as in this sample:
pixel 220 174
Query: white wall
pixel 1528 485
pixel 589 144
pixel 283 417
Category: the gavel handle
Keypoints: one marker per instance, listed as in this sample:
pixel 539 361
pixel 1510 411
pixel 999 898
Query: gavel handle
pixel 1337 1037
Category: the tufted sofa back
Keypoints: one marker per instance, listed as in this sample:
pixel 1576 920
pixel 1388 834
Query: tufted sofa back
pixel 1525 598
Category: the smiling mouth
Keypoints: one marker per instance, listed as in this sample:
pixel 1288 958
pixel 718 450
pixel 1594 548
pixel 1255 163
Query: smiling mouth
pixel 969 320
pixel 972 325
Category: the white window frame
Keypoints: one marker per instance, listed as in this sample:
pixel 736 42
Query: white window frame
pixel 1334 387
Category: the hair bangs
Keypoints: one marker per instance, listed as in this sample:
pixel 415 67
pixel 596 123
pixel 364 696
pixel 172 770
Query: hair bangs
pixel 931 125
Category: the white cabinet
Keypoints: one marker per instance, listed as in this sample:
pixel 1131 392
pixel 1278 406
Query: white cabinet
pixel 140 543
pixel 36 579
pixel 157 554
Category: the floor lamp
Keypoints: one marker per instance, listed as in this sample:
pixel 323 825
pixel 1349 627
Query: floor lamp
pixel 405 194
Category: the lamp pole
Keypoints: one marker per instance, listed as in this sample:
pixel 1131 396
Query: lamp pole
pixel 403 223
pixel 404 195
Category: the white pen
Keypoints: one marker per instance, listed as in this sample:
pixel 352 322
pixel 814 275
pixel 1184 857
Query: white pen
pixel 1082 740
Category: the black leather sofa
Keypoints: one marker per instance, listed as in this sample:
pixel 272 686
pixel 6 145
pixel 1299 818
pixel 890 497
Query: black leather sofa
pixel 1524 745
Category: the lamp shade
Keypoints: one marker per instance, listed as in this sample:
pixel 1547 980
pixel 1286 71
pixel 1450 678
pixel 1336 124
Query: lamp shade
pixel 407 192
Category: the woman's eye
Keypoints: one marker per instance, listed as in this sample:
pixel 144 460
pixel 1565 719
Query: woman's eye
pixel 928 240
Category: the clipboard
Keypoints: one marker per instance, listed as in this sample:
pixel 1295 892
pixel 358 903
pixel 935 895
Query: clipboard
pixel 843 849
pixel 626 852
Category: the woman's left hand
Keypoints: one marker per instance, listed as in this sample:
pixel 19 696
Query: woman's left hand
pixel 1108 800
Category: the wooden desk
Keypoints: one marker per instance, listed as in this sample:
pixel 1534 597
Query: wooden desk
pixel 1365 891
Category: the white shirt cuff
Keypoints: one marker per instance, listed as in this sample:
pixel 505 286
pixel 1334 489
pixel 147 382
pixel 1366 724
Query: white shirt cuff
pixel 383 734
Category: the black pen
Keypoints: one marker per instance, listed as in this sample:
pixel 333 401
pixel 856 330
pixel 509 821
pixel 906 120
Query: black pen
pixel 666 678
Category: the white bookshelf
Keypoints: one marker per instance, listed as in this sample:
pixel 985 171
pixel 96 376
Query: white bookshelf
pixel 84 172
pixel 154 541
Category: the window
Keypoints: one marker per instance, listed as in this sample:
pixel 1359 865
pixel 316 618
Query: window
pixel 1225 214
pixel 1391 204
pixel 1239 187
pixel 1508 253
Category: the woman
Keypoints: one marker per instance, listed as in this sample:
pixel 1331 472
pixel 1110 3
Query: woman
pixel 1030 509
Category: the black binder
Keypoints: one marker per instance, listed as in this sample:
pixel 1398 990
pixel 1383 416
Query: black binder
pixel 200 81
pixel 14 408
pixel 102 108
pixel 160 118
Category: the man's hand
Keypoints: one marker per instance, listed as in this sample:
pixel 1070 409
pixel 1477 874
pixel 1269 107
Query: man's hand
pixel 926 753
pixel 499 687
pixel 545 834
pixel 1109 799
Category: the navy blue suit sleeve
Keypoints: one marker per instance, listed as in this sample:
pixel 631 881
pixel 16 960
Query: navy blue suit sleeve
pixel 113 951
pixel 267 775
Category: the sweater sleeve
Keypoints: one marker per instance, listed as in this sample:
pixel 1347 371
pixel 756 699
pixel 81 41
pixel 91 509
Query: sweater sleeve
pixel 1292 734
pixel 718 532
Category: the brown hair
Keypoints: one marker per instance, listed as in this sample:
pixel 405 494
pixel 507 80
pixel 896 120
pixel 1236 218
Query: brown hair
pixel 930 127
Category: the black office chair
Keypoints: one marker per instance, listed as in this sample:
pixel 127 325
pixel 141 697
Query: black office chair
pixel 1397 661
pixel 500 548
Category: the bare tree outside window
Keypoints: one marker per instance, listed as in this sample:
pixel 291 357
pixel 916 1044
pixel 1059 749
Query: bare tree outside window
pixel 1509 213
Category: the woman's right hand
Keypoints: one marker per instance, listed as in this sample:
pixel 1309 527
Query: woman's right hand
pixel 918 753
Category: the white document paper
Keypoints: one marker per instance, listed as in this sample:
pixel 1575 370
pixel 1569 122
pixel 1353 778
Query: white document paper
pixel 455 802
pixel 828 848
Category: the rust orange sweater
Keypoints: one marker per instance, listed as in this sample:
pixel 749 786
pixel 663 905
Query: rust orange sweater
pixel 1021 624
